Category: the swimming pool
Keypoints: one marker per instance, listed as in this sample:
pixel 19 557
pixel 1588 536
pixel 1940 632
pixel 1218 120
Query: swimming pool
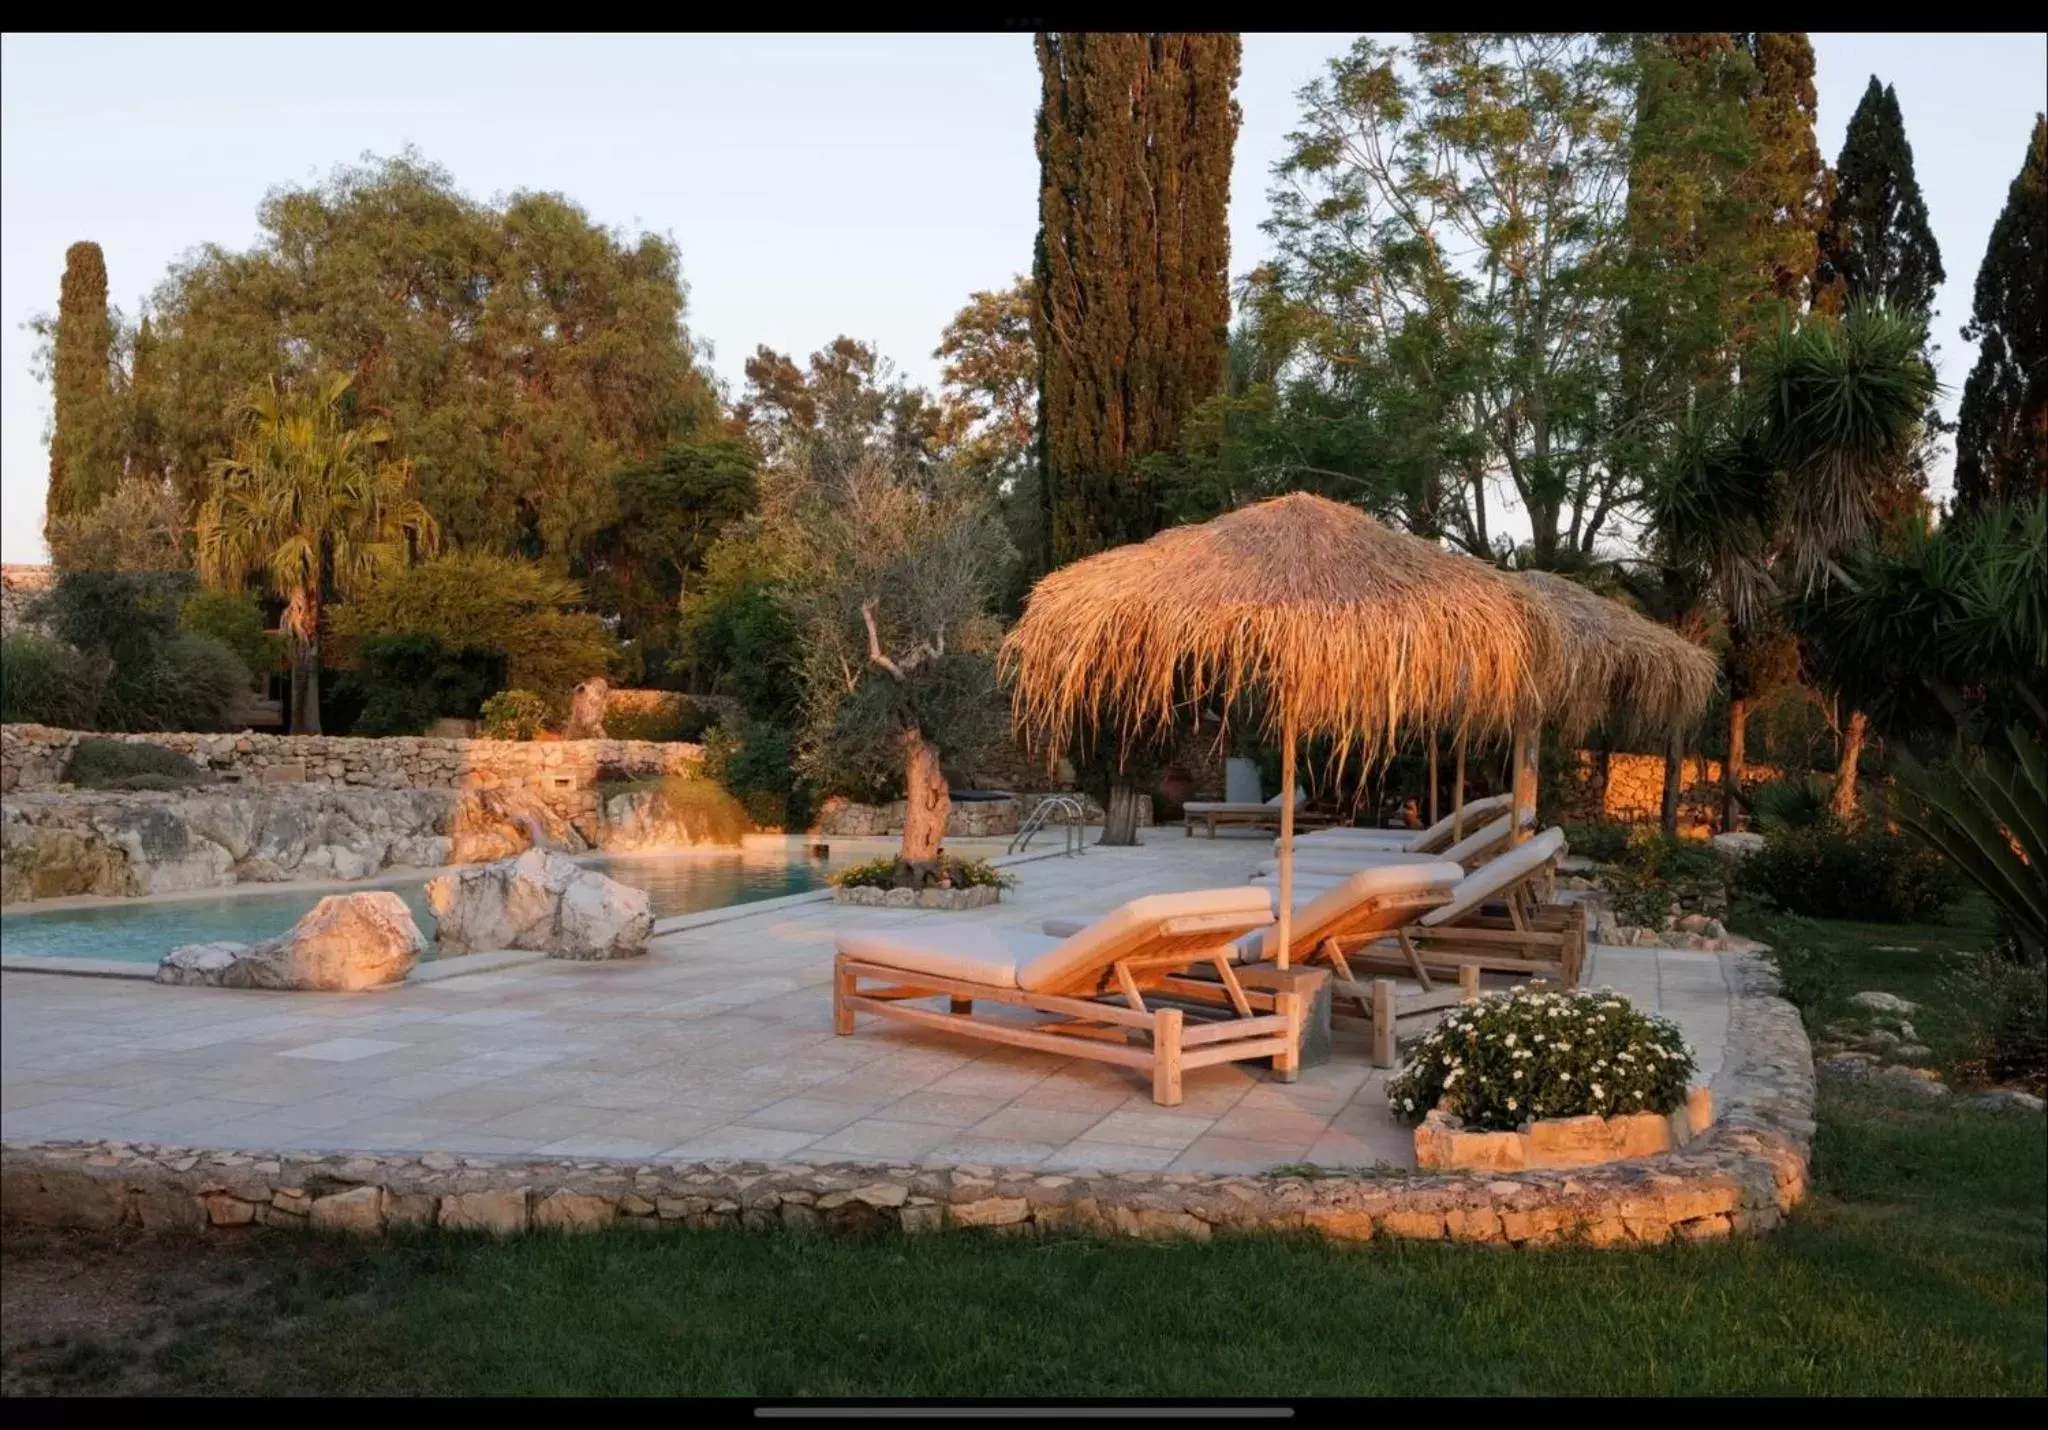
pixel 680 883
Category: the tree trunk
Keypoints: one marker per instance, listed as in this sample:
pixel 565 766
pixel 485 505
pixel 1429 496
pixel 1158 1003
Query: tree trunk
pixel 1674 782
pixel 305 656
pixel 1731 768
pixel 1120 822
pixel 1844 801
pixel 928 799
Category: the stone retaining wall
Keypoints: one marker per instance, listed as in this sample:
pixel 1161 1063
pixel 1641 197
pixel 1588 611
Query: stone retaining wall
pixel 1629 789
pixel 1740 1178
pixel 560 773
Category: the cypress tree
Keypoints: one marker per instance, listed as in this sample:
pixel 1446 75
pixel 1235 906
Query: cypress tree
pixel 1135 133
pixel 1787 180
pixel 82 349
pixel 2002 424
pixel 1877 244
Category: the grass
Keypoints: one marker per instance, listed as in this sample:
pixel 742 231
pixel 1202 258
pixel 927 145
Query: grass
pixel 1916 1267
pixel 1825 962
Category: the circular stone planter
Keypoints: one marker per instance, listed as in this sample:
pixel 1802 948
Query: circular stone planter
pixel 1442 1143
pixel 977 897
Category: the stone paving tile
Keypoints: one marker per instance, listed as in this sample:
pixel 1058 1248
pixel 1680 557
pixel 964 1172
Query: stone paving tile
pixel 64 1117
pixel 877 1137
pixel 944 1109
pixel 816 1115
pixel 971 1151
pixel 1034 1124
pixel 737 1142
pixel 343 1050
pixel 545 1122
pixel 1162 1129
pixel 1111 1157
pixel 1237 1154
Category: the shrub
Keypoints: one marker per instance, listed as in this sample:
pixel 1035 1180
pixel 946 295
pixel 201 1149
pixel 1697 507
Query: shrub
pixel 235 619
pixel 889 872
pixel 704 811
pixel 756 763
pixel 2005 990
pixel 407 682
pixel 668 722
pixel 46 682
pixel 1529 1053
pixel 1790 804
pixel 190 682
pixel 492 607
pixel 126 614
pixel 1866 874
pixel 126 764
pixel 1657 870
pixel 1603 843
pixel 514 715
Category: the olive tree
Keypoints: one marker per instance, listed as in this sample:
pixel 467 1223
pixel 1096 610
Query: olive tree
pixel 896 574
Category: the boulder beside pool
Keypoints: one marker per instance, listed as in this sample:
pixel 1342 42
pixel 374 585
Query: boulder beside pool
pixel 345 943
pixel 539 901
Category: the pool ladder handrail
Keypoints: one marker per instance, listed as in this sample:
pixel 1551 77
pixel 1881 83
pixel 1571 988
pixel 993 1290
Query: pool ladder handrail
pixel 1075 823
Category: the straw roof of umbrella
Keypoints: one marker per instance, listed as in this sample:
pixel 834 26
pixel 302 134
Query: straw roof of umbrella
pixel 1349 628
pixel 1618 663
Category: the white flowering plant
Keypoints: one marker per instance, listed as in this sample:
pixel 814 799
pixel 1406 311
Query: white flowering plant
pixel 1512 1057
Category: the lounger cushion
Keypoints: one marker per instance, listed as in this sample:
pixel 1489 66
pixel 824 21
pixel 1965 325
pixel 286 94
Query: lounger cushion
pixel 1110 936
pixel 1332 864
pixel 1330 902
pixel 1015 958
pixel 1494 875
pixel 947 948
pixel 1224 806
pixel 1345 861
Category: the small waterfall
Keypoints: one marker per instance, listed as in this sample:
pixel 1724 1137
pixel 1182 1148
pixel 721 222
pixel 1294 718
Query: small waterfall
pixel 535 830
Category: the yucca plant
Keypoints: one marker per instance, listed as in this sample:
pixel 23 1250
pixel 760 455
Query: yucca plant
pixel 1990 817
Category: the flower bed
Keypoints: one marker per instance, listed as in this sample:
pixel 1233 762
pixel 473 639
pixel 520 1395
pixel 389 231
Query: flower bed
pixel 1532 1078
pixel 978 896
pixel 1443 1144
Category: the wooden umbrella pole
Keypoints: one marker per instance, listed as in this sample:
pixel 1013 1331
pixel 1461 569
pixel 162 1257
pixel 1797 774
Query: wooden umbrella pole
pixel 1525 782
pixel 1458 794
pixel 1286 838
pixel 1432 777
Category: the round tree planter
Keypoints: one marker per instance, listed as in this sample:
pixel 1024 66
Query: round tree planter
pixel 1442 1143
pixel 977 897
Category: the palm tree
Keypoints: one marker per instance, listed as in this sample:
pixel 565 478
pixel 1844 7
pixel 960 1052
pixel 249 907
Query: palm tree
pixel 1799 469
pixel 310 500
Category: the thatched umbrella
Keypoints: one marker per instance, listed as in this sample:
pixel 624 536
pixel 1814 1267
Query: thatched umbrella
pixel 1346 628
pixel 1614 665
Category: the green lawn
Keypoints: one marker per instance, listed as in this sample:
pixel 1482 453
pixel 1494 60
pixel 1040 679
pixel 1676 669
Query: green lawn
pixel 1917 1267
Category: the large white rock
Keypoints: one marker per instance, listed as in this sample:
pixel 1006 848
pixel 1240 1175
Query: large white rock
pixel 345 943
pixel 1738 844
pixel 539 901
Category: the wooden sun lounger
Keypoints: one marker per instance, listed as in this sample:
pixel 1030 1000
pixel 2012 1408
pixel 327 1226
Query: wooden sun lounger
pixel 1464 937
pixel 1093 986
pixel 1216 813
pixel 1475 849
pixel 1365 908
pixel 1347 838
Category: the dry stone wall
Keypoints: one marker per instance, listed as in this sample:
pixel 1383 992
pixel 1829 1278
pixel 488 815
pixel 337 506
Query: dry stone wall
pixel 559 773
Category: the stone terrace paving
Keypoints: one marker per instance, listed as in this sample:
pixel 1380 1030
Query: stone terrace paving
pixel 717 1045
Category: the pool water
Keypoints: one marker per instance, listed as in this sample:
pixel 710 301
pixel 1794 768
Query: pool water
pixel 143 933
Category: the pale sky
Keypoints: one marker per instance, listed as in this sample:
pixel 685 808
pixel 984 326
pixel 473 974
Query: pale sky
pixel 815 185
